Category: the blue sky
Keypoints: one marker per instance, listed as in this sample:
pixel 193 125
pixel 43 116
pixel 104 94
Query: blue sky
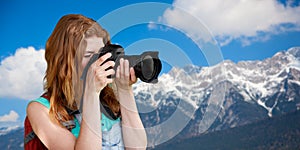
pixel 252 30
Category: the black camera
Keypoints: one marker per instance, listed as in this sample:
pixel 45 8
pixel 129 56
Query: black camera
pixel 147 66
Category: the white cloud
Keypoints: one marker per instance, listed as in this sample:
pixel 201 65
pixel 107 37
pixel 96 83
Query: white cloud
pixel 21 75
pixel 246 20
pixel 11 117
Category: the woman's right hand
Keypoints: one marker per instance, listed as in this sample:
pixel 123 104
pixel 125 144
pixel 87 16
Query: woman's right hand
pixel 97 74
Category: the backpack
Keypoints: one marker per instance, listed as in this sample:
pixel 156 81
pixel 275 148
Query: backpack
pixel 31 141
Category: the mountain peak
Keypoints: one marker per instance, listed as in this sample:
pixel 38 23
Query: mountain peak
pixel 192 69
pixel 295 51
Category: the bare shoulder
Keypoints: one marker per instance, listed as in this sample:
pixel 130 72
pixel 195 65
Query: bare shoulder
pixel 50 133
pixel 34 107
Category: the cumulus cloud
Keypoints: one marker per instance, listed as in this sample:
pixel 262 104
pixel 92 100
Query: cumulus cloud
pixel 11 117
pixel 245 20
pixel 21 75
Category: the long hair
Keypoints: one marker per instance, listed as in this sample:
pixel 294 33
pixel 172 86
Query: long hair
pixel 64 51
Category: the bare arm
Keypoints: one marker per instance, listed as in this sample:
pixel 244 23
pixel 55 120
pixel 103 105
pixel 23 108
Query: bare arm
pixel 51 134
pixel 133 130
pixel 54 136
pixel 90 136
pixel 134 134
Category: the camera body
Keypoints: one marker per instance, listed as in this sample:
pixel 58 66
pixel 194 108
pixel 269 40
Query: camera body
pixel 147 66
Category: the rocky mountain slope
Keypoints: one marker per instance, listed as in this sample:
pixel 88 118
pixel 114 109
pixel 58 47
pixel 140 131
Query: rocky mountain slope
pixel 204 99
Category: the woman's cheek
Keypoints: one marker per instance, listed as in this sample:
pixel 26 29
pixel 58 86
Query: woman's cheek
pixel 84 62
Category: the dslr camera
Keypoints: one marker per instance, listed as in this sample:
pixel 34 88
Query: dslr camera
pixel 147 65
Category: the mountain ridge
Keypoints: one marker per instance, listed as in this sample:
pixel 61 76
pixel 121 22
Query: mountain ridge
pixel 243 92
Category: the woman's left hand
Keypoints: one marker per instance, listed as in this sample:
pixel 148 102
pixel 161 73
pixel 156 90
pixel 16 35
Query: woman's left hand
pixel 125 76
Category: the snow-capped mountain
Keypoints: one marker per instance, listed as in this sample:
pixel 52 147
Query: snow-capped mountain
pixel 12 138
pixel 233 94
pixel 5 130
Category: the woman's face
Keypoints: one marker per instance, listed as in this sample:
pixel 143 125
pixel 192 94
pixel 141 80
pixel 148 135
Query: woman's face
pixel 93 46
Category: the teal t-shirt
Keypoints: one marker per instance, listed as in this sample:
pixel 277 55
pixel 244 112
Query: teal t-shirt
pixel 106 123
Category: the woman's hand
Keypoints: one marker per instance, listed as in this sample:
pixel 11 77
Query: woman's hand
pixel 97 73
pixel 125 76
pixel 133 131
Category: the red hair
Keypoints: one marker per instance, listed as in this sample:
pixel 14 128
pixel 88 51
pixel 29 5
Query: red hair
pixel 64 52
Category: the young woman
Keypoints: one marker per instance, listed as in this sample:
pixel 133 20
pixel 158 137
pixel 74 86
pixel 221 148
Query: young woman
pixel 69 48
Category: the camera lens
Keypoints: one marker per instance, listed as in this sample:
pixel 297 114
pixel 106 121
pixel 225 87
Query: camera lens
pixel 147 67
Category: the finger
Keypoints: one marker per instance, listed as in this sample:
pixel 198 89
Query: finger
pixel 101 81
pixel 100 75
pixel 108 64
pixel 126 69
pixel 109 80
pixel 121 68
pixel 109 72
pixel 103 59
pixel 118 72
pixel 132 75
